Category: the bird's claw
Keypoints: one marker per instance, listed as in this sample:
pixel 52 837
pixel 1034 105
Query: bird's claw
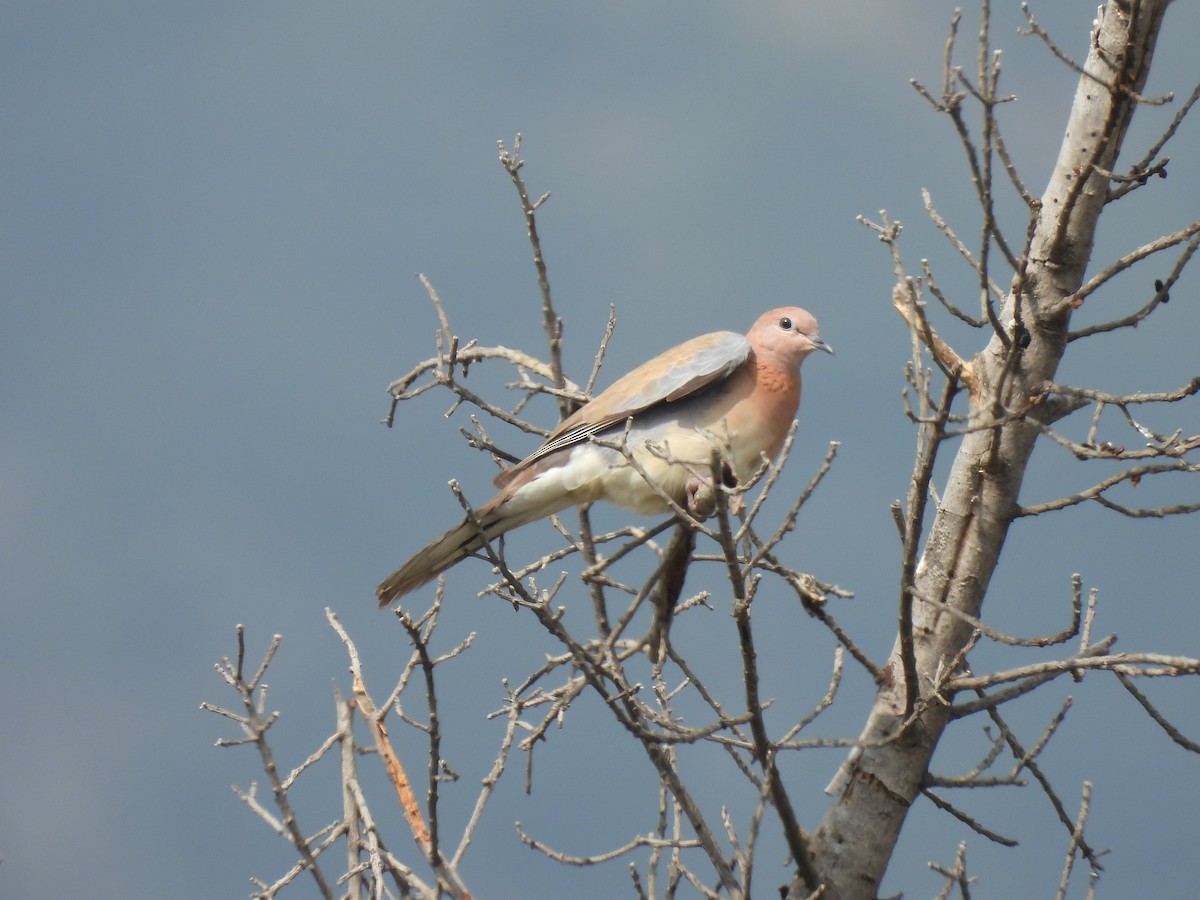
pixel 701 497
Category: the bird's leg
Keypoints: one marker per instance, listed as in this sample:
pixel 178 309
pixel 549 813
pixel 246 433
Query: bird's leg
pixel 737 502
pixel 701 498
pixel 701 495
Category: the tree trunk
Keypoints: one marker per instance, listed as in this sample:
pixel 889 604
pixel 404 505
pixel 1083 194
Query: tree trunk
pixel 856 837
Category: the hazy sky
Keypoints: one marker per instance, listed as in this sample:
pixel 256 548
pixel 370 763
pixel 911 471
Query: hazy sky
pixel 212 216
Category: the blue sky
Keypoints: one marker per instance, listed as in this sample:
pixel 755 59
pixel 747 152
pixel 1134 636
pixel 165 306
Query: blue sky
pixel 212 217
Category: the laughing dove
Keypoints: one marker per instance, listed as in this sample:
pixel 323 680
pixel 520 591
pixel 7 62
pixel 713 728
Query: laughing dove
pixel 721 391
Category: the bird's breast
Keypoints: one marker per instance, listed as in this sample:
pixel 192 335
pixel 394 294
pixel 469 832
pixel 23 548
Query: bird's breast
pixel 779 389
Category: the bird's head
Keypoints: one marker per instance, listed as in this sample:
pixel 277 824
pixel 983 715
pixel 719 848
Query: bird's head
pixel 787 334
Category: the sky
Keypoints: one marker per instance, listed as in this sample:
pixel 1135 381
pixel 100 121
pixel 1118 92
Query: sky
pixel 212 220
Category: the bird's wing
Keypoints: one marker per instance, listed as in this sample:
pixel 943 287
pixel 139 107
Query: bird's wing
pixel 677 373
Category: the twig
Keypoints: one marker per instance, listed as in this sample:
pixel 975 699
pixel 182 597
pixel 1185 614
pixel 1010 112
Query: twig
pixel 1076 840
pixel 374 719
pixel 1133 475
pixel 255 725
pixel 973 824
pixel 1174 733
pixel 550 320
pixel 1077 299
pixel 905 301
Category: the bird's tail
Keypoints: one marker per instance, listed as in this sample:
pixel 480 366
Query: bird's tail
pixel 455 545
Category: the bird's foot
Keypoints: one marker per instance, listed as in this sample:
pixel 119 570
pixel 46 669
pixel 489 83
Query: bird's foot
pixel 701 496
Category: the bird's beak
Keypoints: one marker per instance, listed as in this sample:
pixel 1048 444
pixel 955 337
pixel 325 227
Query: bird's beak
pixel 819 344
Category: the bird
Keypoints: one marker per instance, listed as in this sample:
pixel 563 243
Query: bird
pixel 725 392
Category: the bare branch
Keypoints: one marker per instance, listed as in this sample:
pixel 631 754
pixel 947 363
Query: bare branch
pixel 1076 840
pixel 616 853
pixel 255 726
pixel 967 820
pixel 1141 170
pixel 553 325
pixel 1155 665
pixel 1174 733
pixel 1131 475
pixel 1077 299
pixel 905 301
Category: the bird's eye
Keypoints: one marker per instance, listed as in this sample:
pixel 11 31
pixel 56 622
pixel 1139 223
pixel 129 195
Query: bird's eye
pixel 785 323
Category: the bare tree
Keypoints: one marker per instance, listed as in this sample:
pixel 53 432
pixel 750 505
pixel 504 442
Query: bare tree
pixel 989 409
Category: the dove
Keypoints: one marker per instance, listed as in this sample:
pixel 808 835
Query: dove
pixel 725 392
